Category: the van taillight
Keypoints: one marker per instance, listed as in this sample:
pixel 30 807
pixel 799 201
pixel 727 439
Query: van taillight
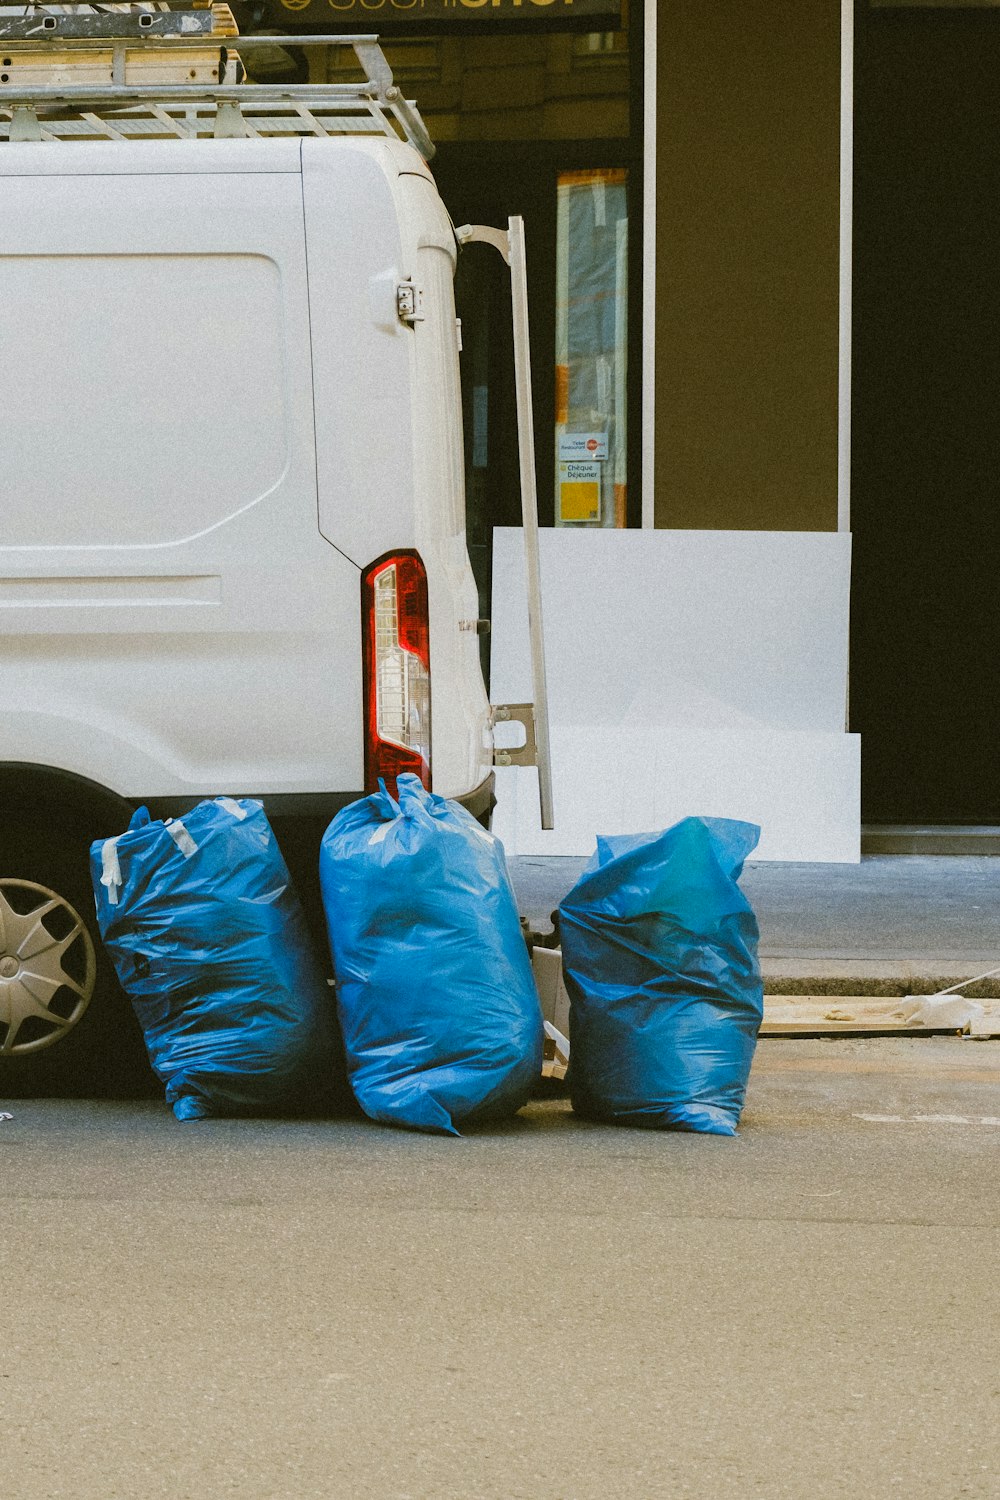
pixel 395 632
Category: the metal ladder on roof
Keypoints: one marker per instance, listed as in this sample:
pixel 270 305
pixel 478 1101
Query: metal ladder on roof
pixel 85 72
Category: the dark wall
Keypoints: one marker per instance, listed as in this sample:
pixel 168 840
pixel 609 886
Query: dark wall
pixel 747 263
pixel 926 427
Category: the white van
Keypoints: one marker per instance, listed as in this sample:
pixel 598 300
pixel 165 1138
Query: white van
pixel 232 544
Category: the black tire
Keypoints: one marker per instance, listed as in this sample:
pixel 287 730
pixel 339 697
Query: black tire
pixel 101 1055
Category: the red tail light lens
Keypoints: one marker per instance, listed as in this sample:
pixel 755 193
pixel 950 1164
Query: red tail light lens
pixel 395 633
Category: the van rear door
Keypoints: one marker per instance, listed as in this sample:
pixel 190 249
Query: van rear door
pixel 388 410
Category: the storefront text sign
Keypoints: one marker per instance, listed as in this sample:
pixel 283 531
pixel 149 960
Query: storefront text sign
pixel 430 15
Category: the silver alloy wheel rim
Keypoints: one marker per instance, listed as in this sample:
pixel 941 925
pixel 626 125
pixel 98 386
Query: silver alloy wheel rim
pixel 48 967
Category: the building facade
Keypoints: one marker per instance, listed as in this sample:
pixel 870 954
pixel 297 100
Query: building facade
pixel 760 254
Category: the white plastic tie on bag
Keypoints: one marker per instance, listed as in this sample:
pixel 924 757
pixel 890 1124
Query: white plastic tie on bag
pixel 231 806
pixel 181 837
pixel 461 829
pixel 111 870
pixel 379 834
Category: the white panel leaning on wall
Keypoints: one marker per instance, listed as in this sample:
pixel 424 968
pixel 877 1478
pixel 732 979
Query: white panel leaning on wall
pixel 690 672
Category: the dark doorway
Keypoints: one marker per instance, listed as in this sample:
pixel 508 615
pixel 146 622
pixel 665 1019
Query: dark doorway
pixel 485 183
pixel 484 186
pixel 926 426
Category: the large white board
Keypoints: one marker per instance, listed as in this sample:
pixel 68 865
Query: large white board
pixel 690 672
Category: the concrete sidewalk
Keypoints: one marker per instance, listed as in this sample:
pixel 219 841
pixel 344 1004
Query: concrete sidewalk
pixel 892 925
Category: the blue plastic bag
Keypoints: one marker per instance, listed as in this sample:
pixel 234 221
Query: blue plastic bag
pixel 437 1001
pixel 659 949
pixel 210 944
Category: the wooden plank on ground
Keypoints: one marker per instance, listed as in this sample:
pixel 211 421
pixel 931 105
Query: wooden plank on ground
pixel 800 1015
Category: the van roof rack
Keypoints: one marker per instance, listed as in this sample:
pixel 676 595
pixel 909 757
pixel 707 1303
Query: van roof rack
pixel 114 50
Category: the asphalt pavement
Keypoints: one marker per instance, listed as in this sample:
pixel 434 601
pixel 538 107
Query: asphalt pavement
pixel 547 1311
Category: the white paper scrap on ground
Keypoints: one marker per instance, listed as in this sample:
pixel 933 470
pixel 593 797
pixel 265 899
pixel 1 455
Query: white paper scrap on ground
pixel 689 673
pixel 941 1012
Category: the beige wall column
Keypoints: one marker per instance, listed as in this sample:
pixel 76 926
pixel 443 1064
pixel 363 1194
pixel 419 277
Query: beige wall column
pixel 747 258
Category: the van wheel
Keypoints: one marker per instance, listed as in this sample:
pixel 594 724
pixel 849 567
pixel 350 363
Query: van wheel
pixel 66 1028
pixel 48 967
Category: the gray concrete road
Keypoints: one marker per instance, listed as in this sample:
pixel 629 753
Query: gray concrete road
pixel 552 1311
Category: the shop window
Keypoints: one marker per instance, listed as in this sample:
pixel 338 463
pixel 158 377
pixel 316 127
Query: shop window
pixel 591 477
pixel 599 46
pixel 413 60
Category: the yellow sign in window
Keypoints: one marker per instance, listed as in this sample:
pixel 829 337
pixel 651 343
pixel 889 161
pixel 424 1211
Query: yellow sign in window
pixel 591 346
pixel 579 491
